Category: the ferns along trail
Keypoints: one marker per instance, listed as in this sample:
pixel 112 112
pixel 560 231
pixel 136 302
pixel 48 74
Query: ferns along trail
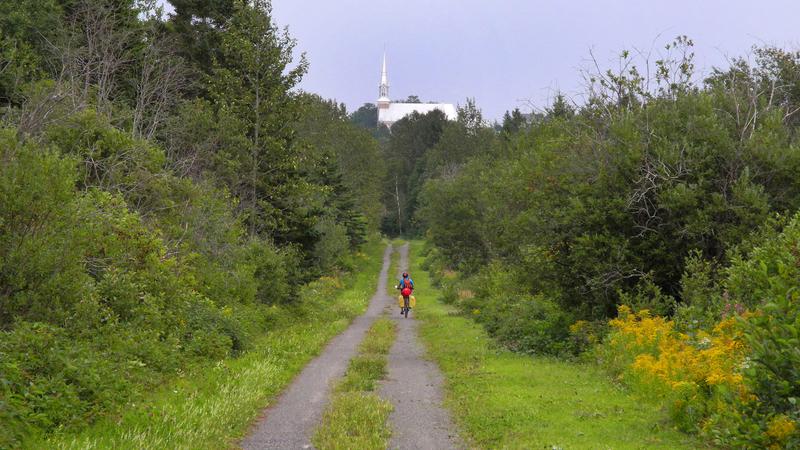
pixel 183 230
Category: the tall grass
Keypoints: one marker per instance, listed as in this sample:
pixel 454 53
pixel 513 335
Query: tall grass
pixel 212 406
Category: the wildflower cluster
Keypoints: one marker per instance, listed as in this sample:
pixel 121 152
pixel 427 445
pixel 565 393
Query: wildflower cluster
pixel 688 370
pixel 780 428
pixel 705 361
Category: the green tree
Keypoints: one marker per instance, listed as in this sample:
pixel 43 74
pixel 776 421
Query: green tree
pixel 404 154
pixel 199 26
pixel 347 153
pixel 461 140
pixel 614 197
pixel 251 79
pixel 513 121
pixel 560 108
pixel 366 116
pixel 25 28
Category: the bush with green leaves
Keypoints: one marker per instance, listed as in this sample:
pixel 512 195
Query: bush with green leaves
pixel 661 194
pixel 95 304
pixel 519 320
pixel 765 283
pixel 153 217
pixel 590 217
pixel 757 297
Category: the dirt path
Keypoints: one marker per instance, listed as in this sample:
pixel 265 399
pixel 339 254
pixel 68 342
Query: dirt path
pixel 414 386
pixel 290 421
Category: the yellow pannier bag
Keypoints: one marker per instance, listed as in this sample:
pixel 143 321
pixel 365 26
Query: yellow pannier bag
pixel 412 301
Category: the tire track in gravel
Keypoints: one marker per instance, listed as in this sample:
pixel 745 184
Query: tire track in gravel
pixel 290 421
pixel 414 386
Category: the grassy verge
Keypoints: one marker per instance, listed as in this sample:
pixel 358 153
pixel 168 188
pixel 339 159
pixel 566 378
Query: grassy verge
pixel 505 400
pixel 356 417
pixel 212 407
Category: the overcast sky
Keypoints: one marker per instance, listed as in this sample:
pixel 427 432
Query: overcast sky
pixel 510 53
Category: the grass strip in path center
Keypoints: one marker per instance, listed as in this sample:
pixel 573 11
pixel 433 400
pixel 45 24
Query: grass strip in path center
pixel 356 416
pixel 502 399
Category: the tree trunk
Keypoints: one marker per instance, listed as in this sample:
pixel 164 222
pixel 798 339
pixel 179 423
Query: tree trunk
pixel 254 157
pixel 397 197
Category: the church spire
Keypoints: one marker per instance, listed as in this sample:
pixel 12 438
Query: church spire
pixel 383 92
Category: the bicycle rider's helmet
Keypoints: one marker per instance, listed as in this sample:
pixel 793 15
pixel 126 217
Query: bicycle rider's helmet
pixel 405 274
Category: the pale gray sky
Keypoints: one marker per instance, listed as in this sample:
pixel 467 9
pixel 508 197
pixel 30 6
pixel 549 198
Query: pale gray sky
pixel 509 53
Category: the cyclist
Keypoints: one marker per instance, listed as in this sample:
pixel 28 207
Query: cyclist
pixel 406 286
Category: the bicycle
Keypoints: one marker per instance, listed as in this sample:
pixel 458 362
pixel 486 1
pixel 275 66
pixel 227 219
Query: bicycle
pixel 406 306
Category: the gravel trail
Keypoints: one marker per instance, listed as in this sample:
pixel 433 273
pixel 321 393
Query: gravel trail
pixel 290 421
pixel 414 386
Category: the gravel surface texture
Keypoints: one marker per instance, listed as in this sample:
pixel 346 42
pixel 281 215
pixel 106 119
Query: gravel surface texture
pixel 290 421
pixel 414 386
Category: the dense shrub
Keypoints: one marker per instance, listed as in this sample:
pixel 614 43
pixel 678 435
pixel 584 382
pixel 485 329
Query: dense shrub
pixel 586 227
pixel 657 197
pixel 735 381
pixel 91 301
pixel 520 321
pixel 691 372
pixel 333 244
pixel 49 379
pixel 766 283
pixel 153 217
pixel 604 204
pixel 100 301
pixel 275 272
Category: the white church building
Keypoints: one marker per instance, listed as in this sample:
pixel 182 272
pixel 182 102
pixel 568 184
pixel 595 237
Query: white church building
pixel 390 112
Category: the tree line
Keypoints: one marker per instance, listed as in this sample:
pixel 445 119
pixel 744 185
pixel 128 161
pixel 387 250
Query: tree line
pixel 165 188
pixel 660 192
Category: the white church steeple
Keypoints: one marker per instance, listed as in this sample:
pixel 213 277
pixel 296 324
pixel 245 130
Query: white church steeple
pixel 390 112
pixel 383 91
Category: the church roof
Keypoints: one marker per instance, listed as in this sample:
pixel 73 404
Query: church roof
pixel 397 111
